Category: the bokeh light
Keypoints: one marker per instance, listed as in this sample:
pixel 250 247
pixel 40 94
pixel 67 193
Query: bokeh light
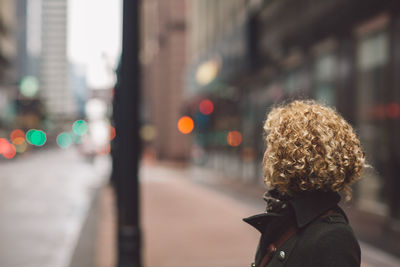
pixel 10 151
pixel 18 141
pixel 17 136
pixel 185 125
pixel 208 71
pixel 201 120
pixel 21 148
pixel 80 127
pixel 64 140
pixel 29 86
pixel 206 107
pixel 3 145
pixel 234 138
pixel 7 149
pixel 38 138
pixel 148 132
pixel 113 133
pixel 28 135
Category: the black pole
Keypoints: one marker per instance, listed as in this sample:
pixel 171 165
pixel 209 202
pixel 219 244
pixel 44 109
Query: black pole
pixel 126 150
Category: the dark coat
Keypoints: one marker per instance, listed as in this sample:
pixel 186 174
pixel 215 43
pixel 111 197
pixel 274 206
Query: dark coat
pixel 322 240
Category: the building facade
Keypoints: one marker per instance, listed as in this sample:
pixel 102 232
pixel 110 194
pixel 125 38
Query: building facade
pixel 7 56
pixel 54 79
pixel 163 63
pixel 219 52
pixel 343 53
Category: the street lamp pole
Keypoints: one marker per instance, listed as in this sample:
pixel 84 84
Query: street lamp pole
pixel 126 150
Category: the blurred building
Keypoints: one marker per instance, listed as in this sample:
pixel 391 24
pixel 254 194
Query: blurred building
pixel 28 36
pixel 21 36
pixel 54 78
pixel 7 55
pixel 248 55
pixel 28 107
pixel 219 62
pixel 164 59
pixel 20 51
pixel 7 39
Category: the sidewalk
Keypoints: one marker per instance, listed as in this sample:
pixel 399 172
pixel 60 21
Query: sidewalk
pixel 185 224
pixel 191 219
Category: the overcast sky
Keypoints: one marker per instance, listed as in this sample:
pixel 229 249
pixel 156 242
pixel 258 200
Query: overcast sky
pixel 94 38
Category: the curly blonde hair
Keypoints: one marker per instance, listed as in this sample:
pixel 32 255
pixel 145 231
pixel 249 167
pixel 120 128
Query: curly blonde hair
pixel 310 148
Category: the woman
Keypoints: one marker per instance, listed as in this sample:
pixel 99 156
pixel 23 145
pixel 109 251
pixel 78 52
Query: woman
pixel 312 155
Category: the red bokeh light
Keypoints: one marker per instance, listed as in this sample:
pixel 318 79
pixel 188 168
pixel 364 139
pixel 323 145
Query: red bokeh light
pixel 6 149
pixel 10 152
pixel 3 144
pixel 17 137
pixel 206 107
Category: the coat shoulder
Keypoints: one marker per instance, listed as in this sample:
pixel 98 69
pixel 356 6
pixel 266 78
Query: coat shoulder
pixel 328 241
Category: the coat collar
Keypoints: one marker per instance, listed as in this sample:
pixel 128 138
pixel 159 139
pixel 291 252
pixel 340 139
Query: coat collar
pixel 309 206
pixel 305 206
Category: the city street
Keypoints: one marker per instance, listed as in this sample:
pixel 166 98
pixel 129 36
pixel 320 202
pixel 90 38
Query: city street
pixel 190 216
pixel 44 200
pixel 193 217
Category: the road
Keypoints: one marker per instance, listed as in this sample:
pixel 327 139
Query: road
pixel 44 199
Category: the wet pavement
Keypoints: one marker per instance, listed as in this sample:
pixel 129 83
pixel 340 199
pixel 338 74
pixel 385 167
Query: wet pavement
pixel 44 200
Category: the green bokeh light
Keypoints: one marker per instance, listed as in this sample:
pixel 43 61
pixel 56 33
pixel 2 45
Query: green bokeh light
pixel 38 138
pixel 28 135
pixel 64 140
pixel 80 127
pixel 29 86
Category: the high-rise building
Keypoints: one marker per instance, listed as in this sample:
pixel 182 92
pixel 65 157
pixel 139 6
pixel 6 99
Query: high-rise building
pixel 7 39
pixel 28 38
pixel 55 90
pixel 7 54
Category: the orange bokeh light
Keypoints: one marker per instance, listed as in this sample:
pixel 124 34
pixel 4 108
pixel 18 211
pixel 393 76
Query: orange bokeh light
pixel 185 125
pixel 17 134
pixel 113 133
pixel 18 140
pixel 206 107
pixel 234 138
